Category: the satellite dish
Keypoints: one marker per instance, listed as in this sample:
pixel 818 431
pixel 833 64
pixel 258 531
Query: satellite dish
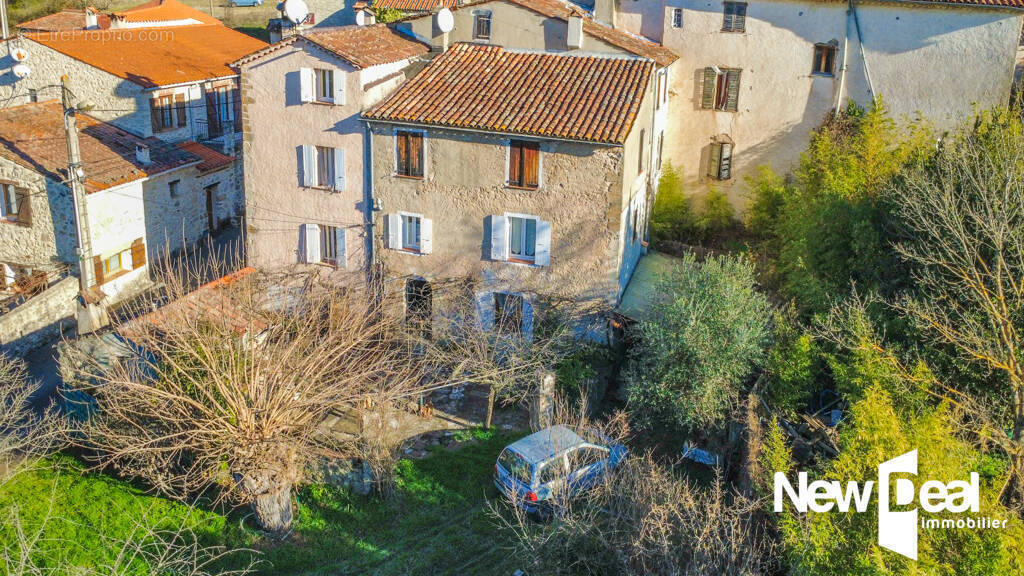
pixel 21 71
pixel 19 54
pixel 445 20
pixel 296 11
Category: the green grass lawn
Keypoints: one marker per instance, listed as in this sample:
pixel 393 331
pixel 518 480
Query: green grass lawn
pixel 437 522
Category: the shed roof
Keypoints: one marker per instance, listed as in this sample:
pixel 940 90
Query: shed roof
pixel 211 160
pixel 540 446
pixel 489 88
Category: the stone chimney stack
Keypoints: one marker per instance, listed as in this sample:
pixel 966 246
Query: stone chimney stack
pixel 574 34
pixel 142 154
pixel 605 11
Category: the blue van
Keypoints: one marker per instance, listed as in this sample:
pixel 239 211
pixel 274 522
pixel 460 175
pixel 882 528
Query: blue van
pixel 532 470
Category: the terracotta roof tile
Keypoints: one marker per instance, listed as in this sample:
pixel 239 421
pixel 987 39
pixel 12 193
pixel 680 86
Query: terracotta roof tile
pixel 64 20
pixel 152 57
pixel 412 5
pixel 361 46
pixel 489 88
pixel 212 160
pixel 33 136
pixel 164 10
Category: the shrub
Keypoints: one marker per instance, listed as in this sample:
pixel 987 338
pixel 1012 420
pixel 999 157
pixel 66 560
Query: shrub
pixel 718 215
pixel 672 219
pixel 792 365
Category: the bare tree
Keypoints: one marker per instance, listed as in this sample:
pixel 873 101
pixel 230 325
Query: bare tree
pixel 505 343
pixel 964 209
pixel 25 434
pixel 226 386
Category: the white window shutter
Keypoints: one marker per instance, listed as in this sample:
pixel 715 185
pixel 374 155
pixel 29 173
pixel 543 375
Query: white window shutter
pixel 426 236
pixel 527 320
pixel 310 243
pixel 499 235
pixel 306 80
pixel 485 309
pixel 339 169
pixel 542 251
pixel 339 87
pixel 339 239
pixel 394 232
pixel 308 165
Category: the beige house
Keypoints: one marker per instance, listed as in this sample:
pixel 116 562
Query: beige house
pixel 754 79
pixel 523 170
pixel 304 142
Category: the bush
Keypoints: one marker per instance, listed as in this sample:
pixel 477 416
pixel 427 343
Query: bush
pixel 705 335
pixel 793 364
pixel 767 198
pixel 718 215
pixel 672 219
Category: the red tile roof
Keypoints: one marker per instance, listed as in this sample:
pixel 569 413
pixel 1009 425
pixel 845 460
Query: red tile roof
pixel 64 20
pixel 33 137
pixel 164 11
pixel 361 46
pixel 412 5
pixel 489 88
pixel 152 57
pixel 212 160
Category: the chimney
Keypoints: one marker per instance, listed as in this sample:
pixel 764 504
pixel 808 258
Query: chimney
pixel 91 21
pixel 441 28
pixel 574 34
pixel 142 154
pixel 605 10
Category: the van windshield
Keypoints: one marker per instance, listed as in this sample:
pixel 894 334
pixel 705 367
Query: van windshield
pixel 516 466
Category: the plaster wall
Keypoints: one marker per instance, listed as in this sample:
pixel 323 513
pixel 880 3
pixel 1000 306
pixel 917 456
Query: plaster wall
pixel 116 218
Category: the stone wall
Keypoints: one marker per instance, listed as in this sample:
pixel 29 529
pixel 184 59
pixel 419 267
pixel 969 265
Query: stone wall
pixel 40 317
pixel 50 239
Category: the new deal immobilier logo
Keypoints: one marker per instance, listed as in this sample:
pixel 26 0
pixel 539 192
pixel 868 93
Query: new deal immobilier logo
pixel 897 530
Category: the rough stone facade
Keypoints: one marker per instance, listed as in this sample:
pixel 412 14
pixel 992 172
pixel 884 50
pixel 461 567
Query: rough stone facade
pixel 49 240
pixel 908 48
pixel 174 221
pixel 39 318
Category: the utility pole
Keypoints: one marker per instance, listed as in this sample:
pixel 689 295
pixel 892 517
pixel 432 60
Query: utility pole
pixel 90 315
pixel 3 18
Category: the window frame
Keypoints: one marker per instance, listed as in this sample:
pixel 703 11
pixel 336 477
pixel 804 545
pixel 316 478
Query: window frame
pixel 478 18
pixel 408 171
pixel 522 258
pixel 109 273
pixel 328 244
pixel 325 167
pixel 405 217
pixel 729 18
pixel 9 210
pixel 824 56
pixel 720 92
pixel 174 188
pixel 523 145
pixel 323 81
pixel 677 18
pixel 165 111
pixel 721 143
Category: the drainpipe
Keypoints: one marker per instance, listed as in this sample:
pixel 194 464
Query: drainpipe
pixel 844 65
pixel 371 208
pixel 863 56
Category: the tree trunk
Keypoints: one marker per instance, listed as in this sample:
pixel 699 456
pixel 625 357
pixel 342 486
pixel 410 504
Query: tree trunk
pixel 490 407
pixel 271 502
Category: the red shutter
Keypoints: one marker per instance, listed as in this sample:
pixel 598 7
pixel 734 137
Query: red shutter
pixel 515 174
pixel 97 264
pixel 531 164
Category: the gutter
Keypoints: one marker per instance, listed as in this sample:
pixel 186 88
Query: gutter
pixel 481 131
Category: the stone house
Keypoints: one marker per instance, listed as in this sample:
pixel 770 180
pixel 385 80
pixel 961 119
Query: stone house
pixel 304 145
pixel 139 195
pixel 522 170
pixel 756 78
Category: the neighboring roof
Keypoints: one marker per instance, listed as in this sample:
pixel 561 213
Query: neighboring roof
pixel 67 19
pixel 412 5
pixel 361 46
pixel 32 135
pixel 212 160
pixel 643 288
pixel 540 446
pixel 163 11
pixel 488 88
pixel 982 3
pixel 156 57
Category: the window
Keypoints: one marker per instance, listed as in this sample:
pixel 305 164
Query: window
pixel 523 164
pixel 410 232
pixel 552 471
pixel 720 161
pixel 324 167
pixel 721 89
pixel 409 153
pixel 118 262
pixel 174 187
pixel 735 17
pixel 508 313
pixel 324 85
pixel 824 59
pixel 661 148
pixel 662 97
pixel 585 456
pixel 10 203
pixel 218 110
pixel 640 152
pixel 165 113
pixel 677 17
pixel 514 464
pixel 329 245
pixel 418 301
pixel 33 95
pixel 522 238
pixel 482 26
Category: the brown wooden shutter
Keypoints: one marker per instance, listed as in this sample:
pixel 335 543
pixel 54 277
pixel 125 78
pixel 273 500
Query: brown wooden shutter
pixel 155 114
pixel 212 117
pixel 236 106
pixel 714 160
pixel 416 153
pixel 739 21
pixel 97 265
pixel 515 161
pixel 708 96
pixel 531 164
pixel 24 202
pixel 732 91
pixel 138 254
pixel 179 106
pixel 402 142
